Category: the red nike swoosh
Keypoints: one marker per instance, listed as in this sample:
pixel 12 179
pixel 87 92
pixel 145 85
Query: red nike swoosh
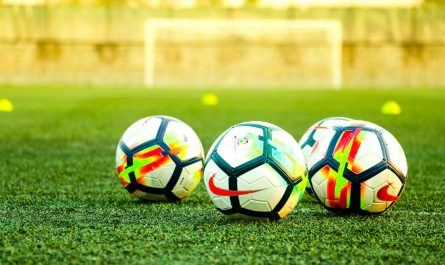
pixel 224 192
pixel 383 195
pixel 314 148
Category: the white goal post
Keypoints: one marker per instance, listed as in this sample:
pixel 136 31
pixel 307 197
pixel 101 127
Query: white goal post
pixel 238 53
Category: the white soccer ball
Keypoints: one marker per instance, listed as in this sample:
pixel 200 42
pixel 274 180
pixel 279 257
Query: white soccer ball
pixel 255 169
pixel 159 158
pixel 316 139
pixel 363 169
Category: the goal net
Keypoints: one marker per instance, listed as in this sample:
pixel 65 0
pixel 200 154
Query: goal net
pixel 243 53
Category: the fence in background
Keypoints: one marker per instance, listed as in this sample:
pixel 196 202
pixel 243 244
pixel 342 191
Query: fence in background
pixel 105 44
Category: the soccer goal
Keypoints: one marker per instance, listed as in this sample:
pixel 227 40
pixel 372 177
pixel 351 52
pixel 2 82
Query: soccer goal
pixel 243 53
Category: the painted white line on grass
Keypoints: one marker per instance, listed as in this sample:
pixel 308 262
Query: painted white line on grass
pixel 416 212
pixel 310 210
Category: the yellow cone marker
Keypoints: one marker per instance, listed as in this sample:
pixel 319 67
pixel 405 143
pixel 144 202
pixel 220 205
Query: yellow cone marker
pixel 391 108
pixel 6 105
pixel 209 99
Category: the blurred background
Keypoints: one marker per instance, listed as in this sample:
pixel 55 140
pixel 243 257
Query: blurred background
pixel 208 43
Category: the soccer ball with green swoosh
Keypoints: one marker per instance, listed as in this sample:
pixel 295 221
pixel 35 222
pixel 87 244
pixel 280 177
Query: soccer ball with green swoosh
pixel 255 169
pixel 357 167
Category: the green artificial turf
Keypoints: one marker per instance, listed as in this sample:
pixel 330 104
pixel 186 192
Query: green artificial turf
pixel 61 201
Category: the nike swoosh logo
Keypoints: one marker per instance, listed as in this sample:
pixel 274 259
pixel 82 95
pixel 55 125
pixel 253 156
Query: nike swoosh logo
pixel 314 148
pixel 383 195
pixel 223 192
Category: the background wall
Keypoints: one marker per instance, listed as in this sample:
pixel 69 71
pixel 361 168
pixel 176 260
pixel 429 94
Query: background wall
pixel 94 44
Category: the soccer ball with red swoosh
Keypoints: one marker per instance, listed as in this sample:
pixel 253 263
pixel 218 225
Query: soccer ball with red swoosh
pixel 159 158
pixel 255 169
pixel 362 168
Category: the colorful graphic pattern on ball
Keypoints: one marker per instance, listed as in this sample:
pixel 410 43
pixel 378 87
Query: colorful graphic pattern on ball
pixel 255 174
pixel 313 141
pixel 146 161
pixel 357 173
pixel 141 165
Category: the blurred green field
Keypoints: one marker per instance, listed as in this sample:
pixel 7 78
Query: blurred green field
pixel 61 201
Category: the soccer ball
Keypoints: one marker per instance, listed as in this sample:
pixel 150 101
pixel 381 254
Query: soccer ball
pixel 363 169
pixel 255 169
pixel 159 158
pixel 315 140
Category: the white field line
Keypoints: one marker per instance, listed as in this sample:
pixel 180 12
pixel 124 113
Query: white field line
pixel 389 212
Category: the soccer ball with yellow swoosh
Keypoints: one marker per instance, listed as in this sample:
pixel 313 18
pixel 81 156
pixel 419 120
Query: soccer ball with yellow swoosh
pixel 255 169
pixel 159 158
pixel 357 167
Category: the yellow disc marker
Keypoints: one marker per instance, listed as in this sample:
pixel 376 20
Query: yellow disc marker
pixel 209 99
pixel 391 108
pixel 6 105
